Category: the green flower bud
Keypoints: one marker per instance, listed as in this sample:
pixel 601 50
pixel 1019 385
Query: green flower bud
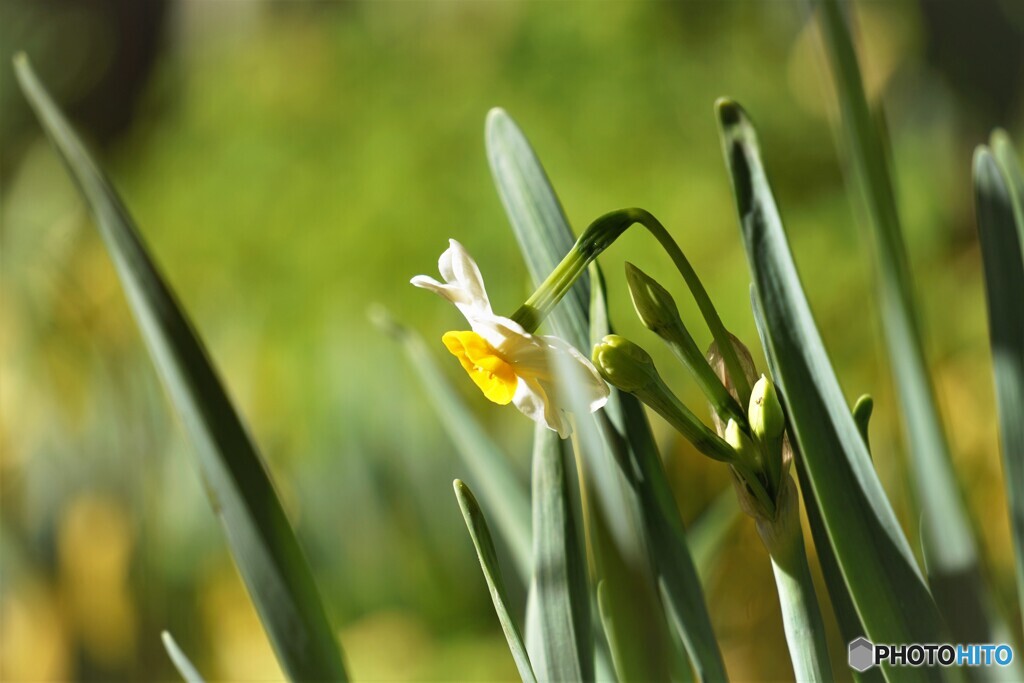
pixel 623 364
pixel 767 421
pixel 741 443
pixel 655 306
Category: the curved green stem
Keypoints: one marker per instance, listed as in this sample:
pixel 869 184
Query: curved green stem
pixel 598 237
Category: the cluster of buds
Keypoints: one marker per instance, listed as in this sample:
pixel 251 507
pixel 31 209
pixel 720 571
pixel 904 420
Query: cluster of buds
pixel 752 441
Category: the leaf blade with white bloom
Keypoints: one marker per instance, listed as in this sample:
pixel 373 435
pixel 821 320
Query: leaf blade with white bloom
pixel 874 556
pixel 181 662
pixel 612 514
pixel 1001 229
pixel 947 533
pixel 481 537
pixel 259 535
pixel 559 590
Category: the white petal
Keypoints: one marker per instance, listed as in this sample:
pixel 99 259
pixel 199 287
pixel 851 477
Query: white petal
pixel 458 268
pixel 504 334
pixel 463 285
pixel 544 357
pixel 534 402
pixel 451 292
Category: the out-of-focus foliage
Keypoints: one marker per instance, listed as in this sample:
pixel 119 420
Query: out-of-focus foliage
pixel 292 163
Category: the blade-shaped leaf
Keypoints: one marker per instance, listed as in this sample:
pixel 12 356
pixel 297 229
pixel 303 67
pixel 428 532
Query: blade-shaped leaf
pixel 675 572
pixel 481 536
pixel 1001 228
pixel 874 556
pixel 617 541
pixel 262 542
pixel 1006 157
pixel 539 224
pixel 180 661
pixel 559 591
pixel 491 470
pixel 951 554
pixel 850 627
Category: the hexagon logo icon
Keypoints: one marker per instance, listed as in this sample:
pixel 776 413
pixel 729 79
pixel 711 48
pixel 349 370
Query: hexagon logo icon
pixel 862 654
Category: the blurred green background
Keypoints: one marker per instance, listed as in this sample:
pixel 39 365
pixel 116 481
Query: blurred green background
pixel 292 163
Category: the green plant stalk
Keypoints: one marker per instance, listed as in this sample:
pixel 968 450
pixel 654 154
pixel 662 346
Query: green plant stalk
pixel 238 485
pixel 595 239
pixel 951 552
pixel 801 617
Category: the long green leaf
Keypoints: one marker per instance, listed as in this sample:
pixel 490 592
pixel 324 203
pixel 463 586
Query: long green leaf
pixel 481 536
pixel 951 554
pixel 559 591
pixel 491 470
pixel 537 219
pixel 617 540
pixel 262 542
pixel 1006 156
pixel 675 572
pixel 632 442
pixel 850 627
pixel 1001 228
pixel 874 556
pixel 180 661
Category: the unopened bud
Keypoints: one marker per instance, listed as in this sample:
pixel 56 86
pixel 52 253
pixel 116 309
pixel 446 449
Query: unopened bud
pixel 624 364
pixel 740 442
pixel 767 421
pixel 655 306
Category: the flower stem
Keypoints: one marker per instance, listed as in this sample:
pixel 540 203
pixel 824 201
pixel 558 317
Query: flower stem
pixel 801 616
pixel 598 237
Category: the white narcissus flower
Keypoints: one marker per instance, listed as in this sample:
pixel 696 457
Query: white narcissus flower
pixel 509 364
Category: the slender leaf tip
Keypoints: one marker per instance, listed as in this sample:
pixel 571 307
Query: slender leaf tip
pixel 984 162
pixel 729 112
pixel 181 662
pixel 496 116
pixel 998 137
pixel 464 495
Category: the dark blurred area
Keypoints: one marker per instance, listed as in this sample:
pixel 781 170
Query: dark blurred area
pixel 99 55
pixel 978 48
pixel 291 163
